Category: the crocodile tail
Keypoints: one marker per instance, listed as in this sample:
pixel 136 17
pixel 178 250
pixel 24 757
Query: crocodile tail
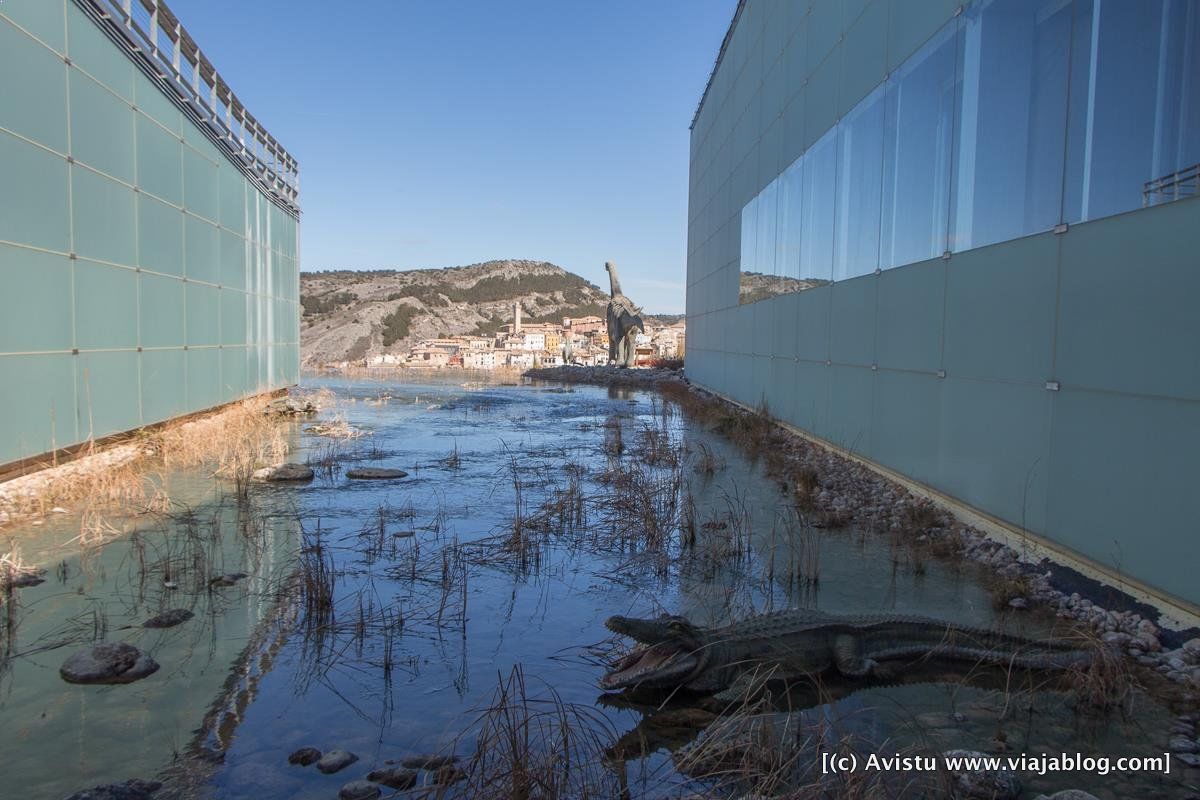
pixel 1026 657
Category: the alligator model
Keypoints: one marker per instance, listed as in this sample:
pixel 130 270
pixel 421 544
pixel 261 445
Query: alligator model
pixel 790 644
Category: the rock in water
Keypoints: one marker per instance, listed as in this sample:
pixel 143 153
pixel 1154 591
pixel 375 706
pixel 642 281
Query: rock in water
pixel 335 760
pixel 1000 784
pixel 305 756
pixel 129 790
pixel 394 777
pixel 283 473
pixel 428 762
pixel 169 619
pixel 375 473
pixel 1068 794
pixel 359 790
pixel 107 662
pixel 228 579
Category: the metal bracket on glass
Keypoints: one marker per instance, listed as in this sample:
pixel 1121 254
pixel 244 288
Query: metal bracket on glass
pixel 1061 228
pixel 874 368
pixel 946 255
pixel 878 271
pixel 1053 386
pixel 941 373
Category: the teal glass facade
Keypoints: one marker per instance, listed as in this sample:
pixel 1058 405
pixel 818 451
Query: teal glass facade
pixel 983 222
pixel 145 275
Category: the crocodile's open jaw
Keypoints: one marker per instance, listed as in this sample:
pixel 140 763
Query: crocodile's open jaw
pixel 663 664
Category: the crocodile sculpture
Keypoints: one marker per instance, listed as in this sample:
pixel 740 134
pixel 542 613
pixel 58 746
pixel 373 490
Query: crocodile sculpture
pixel 675 653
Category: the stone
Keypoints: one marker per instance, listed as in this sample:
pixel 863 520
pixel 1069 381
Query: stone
pixel 1068 794
pixel 1000 784
pixel 305 756
pixel 428 762
pixel 23 579
pixel 228 579
pixel 394 777
pixel 129 790
pixel 1018 602
pixel 444 776
pixel 359 790
pixel 106 663
pixel 335 760
pixel 289 406
pixel 169 619
pixel 1191 759
pixel 1192 646
pixel 375 473
pixel 1183 744
pixel 284 473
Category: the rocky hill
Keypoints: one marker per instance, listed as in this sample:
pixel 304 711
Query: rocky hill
pixel 351 315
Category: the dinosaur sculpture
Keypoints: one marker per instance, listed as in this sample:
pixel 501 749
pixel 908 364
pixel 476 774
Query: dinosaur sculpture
pixel 794 643
pixel 624 322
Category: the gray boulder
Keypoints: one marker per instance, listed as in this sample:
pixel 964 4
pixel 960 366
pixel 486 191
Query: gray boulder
pixel 359 790
pixel 107 662
pixel 290 406
pixel 1000 784
pixel 129 790
pixel 336 760
pixel 305 756
pixel 284 473
pixel 375 473
pixel 1068 794
pixel 169 619
pixel 394 777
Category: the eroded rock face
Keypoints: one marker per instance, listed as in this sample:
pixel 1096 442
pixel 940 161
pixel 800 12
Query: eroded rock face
pixel 428 762
pixel 169 619
pixel 129 790
pixel 289 406
pixel 375 473
pixel 107 662
pixel 335 760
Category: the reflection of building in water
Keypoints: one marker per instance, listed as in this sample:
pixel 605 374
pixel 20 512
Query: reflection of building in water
pixel 992 207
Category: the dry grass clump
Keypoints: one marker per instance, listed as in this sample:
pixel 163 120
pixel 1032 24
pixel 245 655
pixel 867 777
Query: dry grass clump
pixel 546 748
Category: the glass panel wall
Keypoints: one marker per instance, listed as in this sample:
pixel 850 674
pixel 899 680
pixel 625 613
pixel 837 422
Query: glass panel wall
pixel 1012 113
pixel 820 180
pixel 859 188
pixel 1016 116
pixel 918 138
pixel 1135 105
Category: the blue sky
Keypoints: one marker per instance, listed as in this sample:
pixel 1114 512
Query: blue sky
pixel 434 134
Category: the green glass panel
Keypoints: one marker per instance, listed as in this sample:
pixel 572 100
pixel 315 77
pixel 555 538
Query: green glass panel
pixel 233 199
pixel 164 385
pixel 106 396
pixel 233 317
pixel 200 185
pixel 159 161
pixel 152 100
pixel 42 18
pixel 104 217
pixel 203 378
pixel 233 372
pixel 33 83
pixel 101 128
pixel 233 260
pixel 203 314
pixel 105 306
pixel 37 394
pixel 159 307
pixel 160 236
pixel 33 203
pixel 202 250
pixel 94 52
pixel 33 283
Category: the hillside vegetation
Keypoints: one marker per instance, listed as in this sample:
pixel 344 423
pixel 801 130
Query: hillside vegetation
pixel 352 315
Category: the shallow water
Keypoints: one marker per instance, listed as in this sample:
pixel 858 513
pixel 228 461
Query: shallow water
pixel 425 624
